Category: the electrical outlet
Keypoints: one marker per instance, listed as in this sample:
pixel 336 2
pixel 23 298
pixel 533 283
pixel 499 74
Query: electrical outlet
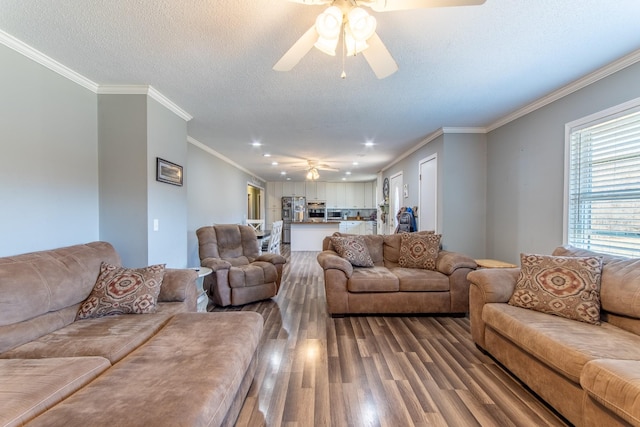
pixel 156 225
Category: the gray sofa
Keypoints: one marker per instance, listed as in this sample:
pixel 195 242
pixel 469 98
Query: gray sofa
pixel 589 373
pixel 132 369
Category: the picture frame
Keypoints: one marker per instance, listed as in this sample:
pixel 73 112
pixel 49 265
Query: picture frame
pixel 168 172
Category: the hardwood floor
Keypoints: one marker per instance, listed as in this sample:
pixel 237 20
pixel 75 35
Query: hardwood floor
pixel 373 370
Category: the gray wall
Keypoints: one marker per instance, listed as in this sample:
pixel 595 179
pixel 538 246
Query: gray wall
pixel 167 139
pixel 461 188
pixel 134 130
pixel 122 128
pixel 49 155
pixel 217 194
pixel 525 168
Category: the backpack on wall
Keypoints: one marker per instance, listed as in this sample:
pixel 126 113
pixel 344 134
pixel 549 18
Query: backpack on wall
pixel 405 222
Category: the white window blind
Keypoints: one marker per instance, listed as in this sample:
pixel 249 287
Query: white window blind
pixel 604 185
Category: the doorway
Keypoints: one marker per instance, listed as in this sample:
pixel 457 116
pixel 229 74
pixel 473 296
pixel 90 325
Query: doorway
pixel 255 205
pixel 395 200
pixel 428 193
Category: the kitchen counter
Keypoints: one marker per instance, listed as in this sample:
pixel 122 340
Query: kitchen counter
pixel 308 235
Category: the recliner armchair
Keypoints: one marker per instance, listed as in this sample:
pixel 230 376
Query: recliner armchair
pixel 240 274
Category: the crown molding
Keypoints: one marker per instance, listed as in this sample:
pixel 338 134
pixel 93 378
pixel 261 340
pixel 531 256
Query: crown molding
pixel 480 130
pixel 50 63
pixel 581 83
pixel 145 90
pixel 210 150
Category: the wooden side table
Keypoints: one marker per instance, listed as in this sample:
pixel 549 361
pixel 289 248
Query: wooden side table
pixel 203 299
pixel 494 263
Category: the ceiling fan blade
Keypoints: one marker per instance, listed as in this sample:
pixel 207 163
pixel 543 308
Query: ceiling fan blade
pixel 390 5
pixel 297 51
pixel 379 58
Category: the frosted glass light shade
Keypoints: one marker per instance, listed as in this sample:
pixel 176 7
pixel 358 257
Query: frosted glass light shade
pixel 328 26
pixel 361 24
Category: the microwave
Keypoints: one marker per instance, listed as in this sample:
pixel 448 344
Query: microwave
pixel 333 214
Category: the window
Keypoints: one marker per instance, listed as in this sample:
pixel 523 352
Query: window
pixel 603 182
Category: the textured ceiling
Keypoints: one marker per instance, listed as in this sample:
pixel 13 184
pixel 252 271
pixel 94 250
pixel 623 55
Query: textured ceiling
pixel 459 67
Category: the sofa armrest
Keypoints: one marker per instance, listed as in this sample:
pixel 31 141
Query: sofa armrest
pixel 215 264
pixel 180 285
pixel 495 284
pixel 448 262
pixel 491 285
pixel 331 260
pixel 272 258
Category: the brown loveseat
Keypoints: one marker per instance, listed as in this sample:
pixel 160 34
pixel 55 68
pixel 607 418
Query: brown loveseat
pixel 589 373
pixel 131 369
pixel 240 274
pixel 388 288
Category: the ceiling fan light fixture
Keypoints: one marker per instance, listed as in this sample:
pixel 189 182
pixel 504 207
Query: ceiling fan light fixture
pixel 313 174
pixel 328 26
pixel 353 45
pixel 361 24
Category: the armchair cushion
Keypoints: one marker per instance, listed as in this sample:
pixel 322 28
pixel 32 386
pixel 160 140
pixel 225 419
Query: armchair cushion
pixel 254 274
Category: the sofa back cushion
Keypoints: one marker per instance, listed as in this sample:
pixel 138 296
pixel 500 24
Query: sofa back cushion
pixel 39 284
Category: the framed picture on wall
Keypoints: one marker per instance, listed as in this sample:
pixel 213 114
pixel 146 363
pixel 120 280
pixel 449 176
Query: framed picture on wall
pixel 168 172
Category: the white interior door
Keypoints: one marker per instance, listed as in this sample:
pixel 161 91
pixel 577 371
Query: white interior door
pixel 395 200
pixel 428 207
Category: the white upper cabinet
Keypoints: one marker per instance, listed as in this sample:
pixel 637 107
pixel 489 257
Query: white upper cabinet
pixel 349 195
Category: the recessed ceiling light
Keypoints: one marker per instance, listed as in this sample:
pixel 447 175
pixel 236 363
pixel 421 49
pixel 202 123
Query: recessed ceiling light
pixel 347 173
pixel 256 143
pixel 344 179
pixel 267 155
pixel 283 173
pixel 274 163
pixel 288 179
pixel 368 144
pixel 355 163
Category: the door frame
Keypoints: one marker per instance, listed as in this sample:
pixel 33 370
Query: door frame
pixel 393 212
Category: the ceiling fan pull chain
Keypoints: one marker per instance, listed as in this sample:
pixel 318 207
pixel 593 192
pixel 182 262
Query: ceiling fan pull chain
pixel 344 52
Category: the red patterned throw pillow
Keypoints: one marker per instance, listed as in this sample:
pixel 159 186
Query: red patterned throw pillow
pixel 353 249
pixel 120 290
pixel 565 286
pixel 418 250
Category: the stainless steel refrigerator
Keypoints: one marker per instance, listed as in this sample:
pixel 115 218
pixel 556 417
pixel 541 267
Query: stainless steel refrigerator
pixel 293 210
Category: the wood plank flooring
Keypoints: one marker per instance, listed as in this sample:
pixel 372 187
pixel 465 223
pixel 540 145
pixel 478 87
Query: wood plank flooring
pixel 314 370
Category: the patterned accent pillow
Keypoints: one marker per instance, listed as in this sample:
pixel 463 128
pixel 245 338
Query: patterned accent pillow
pixel 419 250
pixel 353 249
pixel 565 286
pixel 120 290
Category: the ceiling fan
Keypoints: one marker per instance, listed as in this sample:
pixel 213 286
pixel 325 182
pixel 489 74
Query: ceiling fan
pixel 312 168
pixel 357 27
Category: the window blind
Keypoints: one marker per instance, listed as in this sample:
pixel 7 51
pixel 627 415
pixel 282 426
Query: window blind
pixel 604 185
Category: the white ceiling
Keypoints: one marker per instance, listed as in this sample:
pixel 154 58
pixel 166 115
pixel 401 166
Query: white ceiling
pixel 459 67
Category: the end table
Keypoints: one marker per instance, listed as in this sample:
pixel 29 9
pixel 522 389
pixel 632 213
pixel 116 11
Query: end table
pixel 203 299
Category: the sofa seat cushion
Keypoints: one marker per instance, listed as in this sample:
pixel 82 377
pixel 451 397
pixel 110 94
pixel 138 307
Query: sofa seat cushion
pixel 254 274
pixel 111 337
pixel 204 354
pixel 30 386
pixel 615 384
pixel 375 279
pixel 420 280
pixel 563 344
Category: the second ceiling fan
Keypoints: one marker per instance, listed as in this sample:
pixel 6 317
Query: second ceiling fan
pixel 357 27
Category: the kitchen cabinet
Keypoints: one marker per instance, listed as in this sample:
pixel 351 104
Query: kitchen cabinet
pixel 331 193
pixel 316 191
pixel 345 195
pixel 288 189
pixel 352 227
pixel 370 195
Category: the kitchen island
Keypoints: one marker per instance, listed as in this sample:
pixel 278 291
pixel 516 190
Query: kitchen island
pixel 308 235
